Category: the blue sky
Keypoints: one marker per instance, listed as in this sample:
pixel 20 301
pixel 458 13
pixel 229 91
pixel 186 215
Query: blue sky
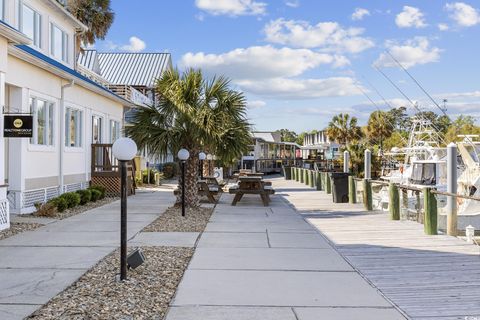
pixel 299 62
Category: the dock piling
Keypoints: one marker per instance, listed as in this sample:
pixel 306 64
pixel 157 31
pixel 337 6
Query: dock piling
pixel 430 215
pixel 394 202
pixel 352 191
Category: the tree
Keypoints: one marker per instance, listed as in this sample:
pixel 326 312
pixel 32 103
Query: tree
pixel 287 135
pixel 96 15
pixel 400 119
pixel 461 126
pixel 344 129
pixel 379 127
pixel 197 114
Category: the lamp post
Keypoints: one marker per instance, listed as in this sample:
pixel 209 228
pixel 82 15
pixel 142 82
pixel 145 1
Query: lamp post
pixel 183 155
pixel 202 156
pixel 124 149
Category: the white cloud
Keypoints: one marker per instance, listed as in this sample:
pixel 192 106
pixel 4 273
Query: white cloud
pixel 413 52
pixel 255 104
pixel 261 62
pixel 410 17
pixel 293 3
pixel 232 7
pixel 443 27
pixel 463 14
pixel 324 35
pixel 301 88
pixel 135 45
pixel 360 13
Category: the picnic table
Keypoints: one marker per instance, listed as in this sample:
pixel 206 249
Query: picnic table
pixel 252 185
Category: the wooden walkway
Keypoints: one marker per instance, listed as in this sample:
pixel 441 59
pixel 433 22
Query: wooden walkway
pixel 427 277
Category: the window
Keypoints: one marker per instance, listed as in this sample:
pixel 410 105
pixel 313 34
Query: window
pixel 114 130
pixel 30 23
pixel 58 43
pixel 73 127
pixel 96 129
pixel 2 9
pixel 42 122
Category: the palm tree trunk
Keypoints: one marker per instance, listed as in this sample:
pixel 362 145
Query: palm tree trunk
pixel 191 177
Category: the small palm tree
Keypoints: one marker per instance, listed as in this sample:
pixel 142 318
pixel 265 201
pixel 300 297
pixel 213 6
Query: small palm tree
pixel 96 15
pixel 344 129
pixel 196 114
pixel 379 127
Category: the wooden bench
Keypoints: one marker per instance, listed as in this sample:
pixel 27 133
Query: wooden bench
pixel 206 190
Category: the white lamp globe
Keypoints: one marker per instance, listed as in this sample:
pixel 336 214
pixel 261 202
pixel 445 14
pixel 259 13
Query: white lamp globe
pixel 202 156
pixel 183 154
pixel 124 149
pixel 209 157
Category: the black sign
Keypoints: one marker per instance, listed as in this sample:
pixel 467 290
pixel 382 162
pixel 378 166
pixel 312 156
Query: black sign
pixel 17 126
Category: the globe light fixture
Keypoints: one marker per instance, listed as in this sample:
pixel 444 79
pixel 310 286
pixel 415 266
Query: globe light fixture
pixel 124 150
pixel 183 155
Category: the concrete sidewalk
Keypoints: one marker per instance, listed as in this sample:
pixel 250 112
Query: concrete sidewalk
pixel 37 265
pixel 255 262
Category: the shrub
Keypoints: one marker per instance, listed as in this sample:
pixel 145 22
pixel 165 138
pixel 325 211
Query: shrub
pixel 170 170
pixel 59 203
pixel 153 172
pixel 96 194
pixel 85 196
pixel 102 190
pixel 72 198
pixel 45 209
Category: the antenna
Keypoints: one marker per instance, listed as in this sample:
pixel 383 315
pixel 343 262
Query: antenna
pixel 417 83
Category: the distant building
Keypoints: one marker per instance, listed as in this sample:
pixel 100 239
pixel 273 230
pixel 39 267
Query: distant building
pixel 317 146
pixel 268 153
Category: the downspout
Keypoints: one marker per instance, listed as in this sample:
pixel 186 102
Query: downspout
pixel 62 132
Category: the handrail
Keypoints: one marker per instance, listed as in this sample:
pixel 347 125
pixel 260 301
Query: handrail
pixel 3 185
pixel 455 195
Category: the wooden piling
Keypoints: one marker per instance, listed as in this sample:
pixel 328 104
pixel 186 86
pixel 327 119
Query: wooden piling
pixel 394 202
pixel 318 184
pixel 352 191
pixel 328 183
pixel 302 175
pixel 430 214
pixel 293 172
pixel 311 179
pixel 367 195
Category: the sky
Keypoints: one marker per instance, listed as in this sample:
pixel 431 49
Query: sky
pixel 299 62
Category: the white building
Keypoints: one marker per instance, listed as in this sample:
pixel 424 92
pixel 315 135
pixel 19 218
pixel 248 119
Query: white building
pixel 317 146
pixel 38 75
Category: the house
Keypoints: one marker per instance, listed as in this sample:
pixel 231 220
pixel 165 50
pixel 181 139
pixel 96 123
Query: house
pixel 317 148
pixel 268 153
pixel 39 77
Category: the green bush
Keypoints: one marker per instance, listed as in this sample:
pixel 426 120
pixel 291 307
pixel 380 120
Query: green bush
pixel 85 196
pixel 96 194
pixel 152 175
pixel 170 170
pixel 72 198
pixel 60 203
pixel 102 190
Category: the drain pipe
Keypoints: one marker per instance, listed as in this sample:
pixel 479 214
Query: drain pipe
pixel 62 132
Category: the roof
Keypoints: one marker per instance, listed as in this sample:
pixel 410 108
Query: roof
pixel 134 69
pixel 265 136
pixel 13 34
pixel 62 67
pixel 89 59
pixel 61 8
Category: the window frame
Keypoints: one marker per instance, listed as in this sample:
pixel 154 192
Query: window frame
pixel 49 122
pixel 37 24
pixel 2 10
pixel 65 43
pixel 117 130
pixel 79 128
pixel 100 127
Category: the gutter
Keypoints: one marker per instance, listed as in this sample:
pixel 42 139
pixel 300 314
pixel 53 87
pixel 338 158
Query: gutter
pixel 62 133
pixel 13 35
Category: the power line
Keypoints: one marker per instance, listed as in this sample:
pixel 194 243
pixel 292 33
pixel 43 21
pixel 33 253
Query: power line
pixel 417 83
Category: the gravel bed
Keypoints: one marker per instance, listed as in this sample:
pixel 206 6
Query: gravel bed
pixel 145 295
pixel 171 220
pixel 80 209
pixel 18 227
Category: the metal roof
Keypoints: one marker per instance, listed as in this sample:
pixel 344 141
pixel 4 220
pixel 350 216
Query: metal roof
pixel 60 66
pixel 265 136
pixel 134 69
pixel 89 59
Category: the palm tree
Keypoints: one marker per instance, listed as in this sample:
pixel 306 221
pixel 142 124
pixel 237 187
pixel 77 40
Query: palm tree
pixel 96 15
pixel 344 129
pixel 379 127
pixel 196 114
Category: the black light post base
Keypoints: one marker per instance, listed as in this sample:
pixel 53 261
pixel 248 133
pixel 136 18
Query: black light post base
pixel 183 188
pixel 123 220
